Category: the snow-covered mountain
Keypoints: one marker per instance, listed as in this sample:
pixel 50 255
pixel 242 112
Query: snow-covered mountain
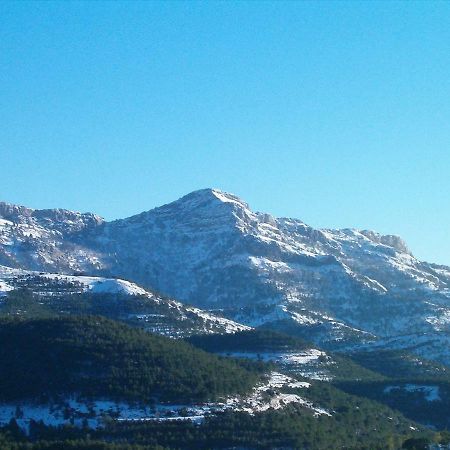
pixel 337 287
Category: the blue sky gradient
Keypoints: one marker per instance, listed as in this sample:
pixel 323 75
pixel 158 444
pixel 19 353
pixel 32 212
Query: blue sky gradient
pixel 332 112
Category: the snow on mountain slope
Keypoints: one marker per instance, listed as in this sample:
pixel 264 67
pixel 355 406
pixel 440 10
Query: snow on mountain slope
pixel 209 248
pixel 99 285
pixel 339 288
pixel 42 239
pixel 4 288
pixel 143 308
pixel 11 277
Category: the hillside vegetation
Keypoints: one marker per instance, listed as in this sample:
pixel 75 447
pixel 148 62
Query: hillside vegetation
pixel 96 357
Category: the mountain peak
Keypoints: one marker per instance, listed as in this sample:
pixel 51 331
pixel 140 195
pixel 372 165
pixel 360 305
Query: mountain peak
pixel 211 196
pixel 226 197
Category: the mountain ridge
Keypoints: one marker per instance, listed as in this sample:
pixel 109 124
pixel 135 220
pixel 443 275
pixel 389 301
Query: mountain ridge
pixel 209 249
pixel 11 211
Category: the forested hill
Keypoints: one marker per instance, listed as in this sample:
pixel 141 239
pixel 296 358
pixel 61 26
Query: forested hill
pixel 97 357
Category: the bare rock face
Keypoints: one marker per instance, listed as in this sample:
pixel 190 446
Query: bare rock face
pixel 337 287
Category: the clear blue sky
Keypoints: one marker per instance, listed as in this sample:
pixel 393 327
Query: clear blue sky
pixel 335 113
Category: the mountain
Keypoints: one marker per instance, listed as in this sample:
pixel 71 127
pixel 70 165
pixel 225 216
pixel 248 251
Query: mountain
pixel 352 291
pixel 339 288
